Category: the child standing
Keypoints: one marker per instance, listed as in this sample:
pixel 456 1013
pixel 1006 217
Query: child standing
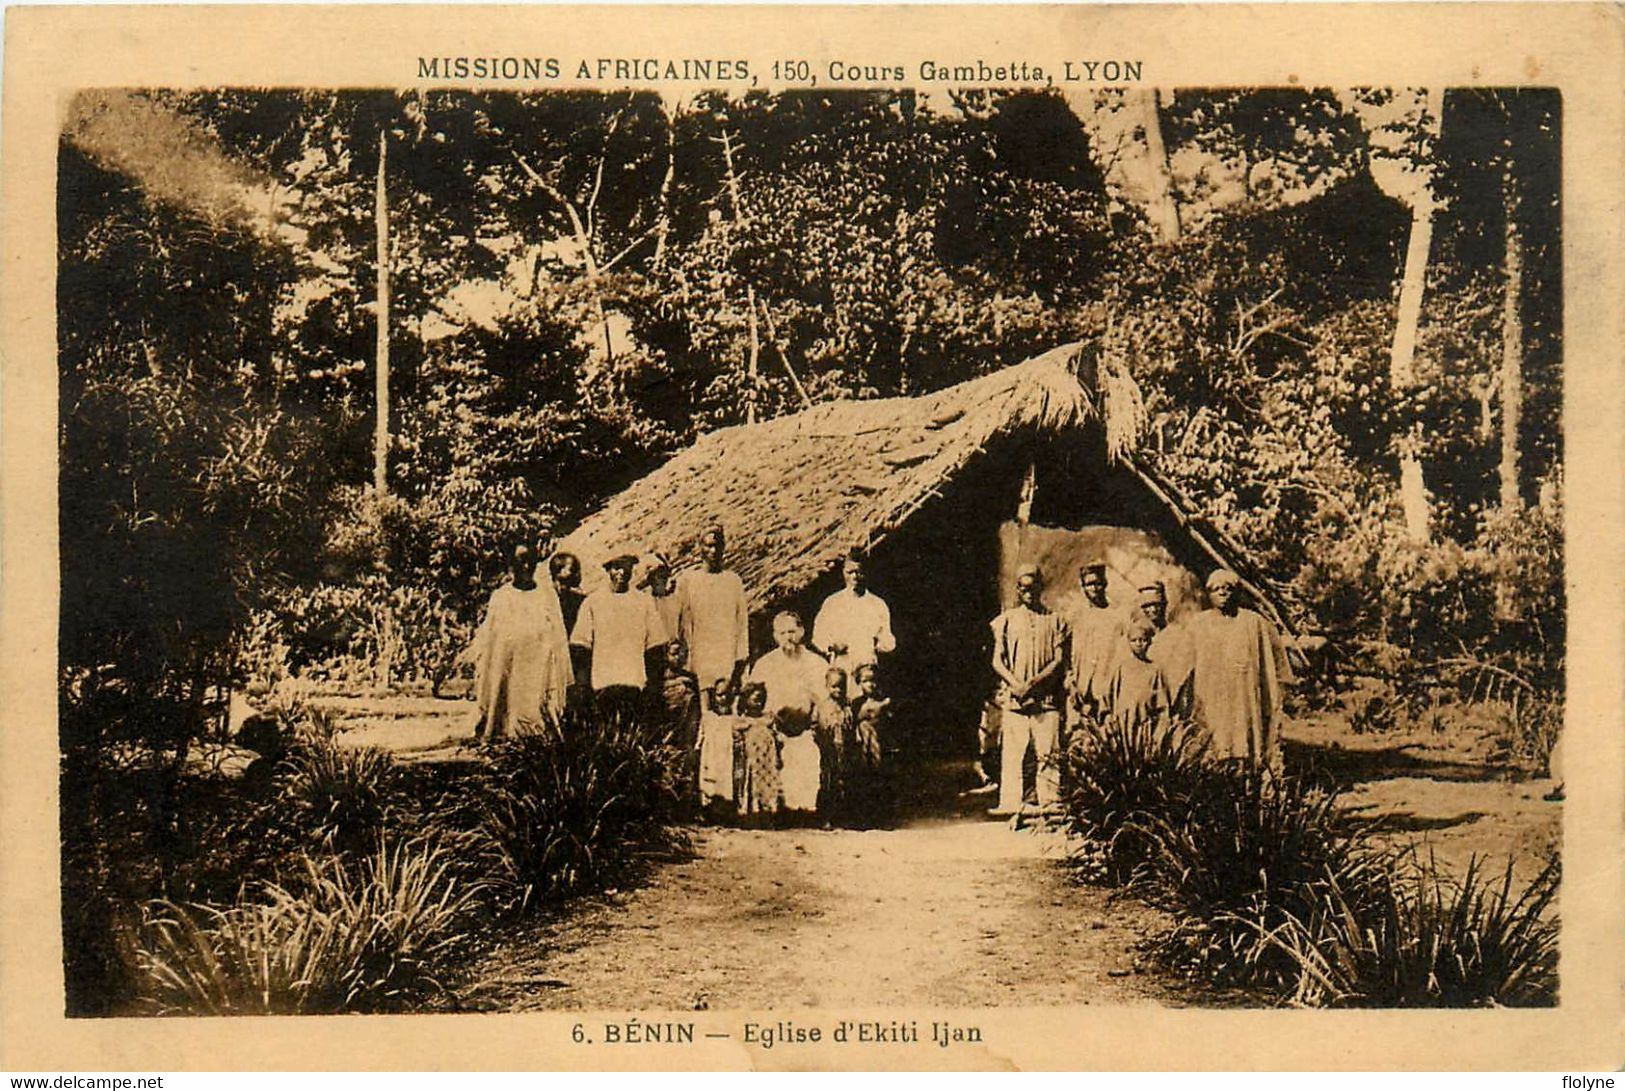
pixel 717 747
pixel 757 787
pixel 871 726
pixel 832 719
pixel 1137 694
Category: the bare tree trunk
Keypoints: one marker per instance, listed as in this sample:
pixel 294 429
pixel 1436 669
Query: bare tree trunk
pixel 1511 347
pixel 1164 205
pixel 380 442
pixel 1402 358
pixel 753 357
pixel 672 106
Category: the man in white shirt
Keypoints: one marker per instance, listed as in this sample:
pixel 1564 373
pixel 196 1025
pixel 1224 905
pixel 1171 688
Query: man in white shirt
pixel 792 672
pixel 619 627
pixel 853 627
pixel 713 616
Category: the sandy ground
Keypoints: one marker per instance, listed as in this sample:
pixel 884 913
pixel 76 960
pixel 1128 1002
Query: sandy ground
pixel 949 909
pixel 962 912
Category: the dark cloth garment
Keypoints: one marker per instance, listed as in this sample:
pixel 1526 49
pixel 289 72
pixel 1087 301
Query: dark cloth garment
pixel 570 600
pixel 624 704
pixel 680 695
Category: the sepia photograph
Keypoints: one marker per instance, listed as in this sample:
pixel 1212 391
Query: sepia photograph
pixel 655 551
pixel 982 539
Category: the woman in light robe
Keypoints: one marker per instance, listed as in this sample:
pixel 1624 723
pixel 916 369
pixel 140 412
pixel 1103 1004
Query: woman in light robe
pixel 520 654
pixel 1239 667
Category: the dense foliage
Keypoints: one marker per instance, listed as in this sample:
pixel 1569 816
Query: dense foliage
pixel 582 282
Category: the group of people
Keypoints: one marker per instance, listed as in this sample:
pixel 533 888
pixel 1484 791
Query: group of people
pixel 802 730
pixel 805 730
pixel 1220 670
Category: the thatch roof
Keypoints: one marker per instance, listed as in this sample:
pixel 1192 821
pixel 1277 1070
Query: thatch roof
pixel 795 493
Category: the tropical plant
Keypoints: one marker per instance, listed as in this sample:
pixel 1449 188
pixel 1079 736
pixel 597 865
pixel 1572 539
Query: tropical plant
pixel 1421 939
pixel 568 804
pixel 339 942
pixel 1243 857
pixel 1122 777
pixel 341 795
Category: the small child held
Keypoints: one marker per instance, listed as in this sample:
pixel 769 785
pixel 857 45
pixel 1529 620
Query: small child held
pixel 799 762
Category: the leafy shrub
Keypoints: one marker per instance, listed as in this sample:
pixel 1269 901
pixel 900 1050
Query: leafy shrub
pixel 340 795
pixel 568 803
pixel 1121 777
pixel 1245 856
pixel 1421 940
pixel 345 942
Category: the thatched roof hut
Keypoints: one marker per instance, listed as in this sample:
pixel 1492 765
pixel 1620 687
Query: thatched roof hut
pixel 796 493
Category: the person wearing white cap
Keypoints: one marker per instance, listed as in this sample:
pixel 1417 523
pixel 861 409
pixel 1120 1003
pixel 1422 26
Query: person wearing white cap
pixel 1029 657
pixel 1238 670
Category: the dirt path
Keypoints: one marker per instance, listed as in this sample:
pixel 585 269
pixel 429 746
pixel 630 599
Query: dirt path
pixel 945 913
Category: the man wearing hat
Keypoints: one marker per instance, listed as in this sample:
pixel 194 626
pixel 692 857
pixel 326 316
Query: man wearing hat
pixel 618 627
pixel 1095 627
pixel 1029 657
pixel 1239 666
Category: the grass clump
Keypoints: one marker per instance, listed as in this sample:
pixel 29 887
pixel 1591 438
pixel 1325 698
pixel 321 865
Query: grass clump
pixel 1422 939
pixel 1272 889
pixel 344 939
pixel 566 805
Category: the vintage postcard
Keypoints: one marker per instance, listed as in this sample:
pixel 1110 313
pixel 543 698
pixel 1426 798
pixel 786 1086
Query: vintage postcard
pixel 886 537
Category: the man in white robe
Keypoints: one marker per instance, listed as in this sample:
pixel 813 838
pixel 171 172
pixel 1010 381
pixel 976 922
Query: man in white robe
pixel 853 628
pixel 713 617
pixel 1239 666
pixel 520 655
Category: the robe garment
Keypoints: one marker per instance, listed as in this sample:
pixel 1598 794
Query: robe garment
pixel 713 618
pixel 800 773
pixel 1137 694
pixel 717 756
pixel 618 629
pixel 521 660
pixel 1239 665
pixel 795 682
pixel 860 623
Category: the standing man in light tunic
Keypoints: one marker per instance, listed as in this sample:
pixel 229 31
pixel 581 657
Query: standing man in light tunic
pixel 619 627
pixel 713 617
pixel 1029 656
pixel 853 627
pixel 1239 667
pixel 1095 627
